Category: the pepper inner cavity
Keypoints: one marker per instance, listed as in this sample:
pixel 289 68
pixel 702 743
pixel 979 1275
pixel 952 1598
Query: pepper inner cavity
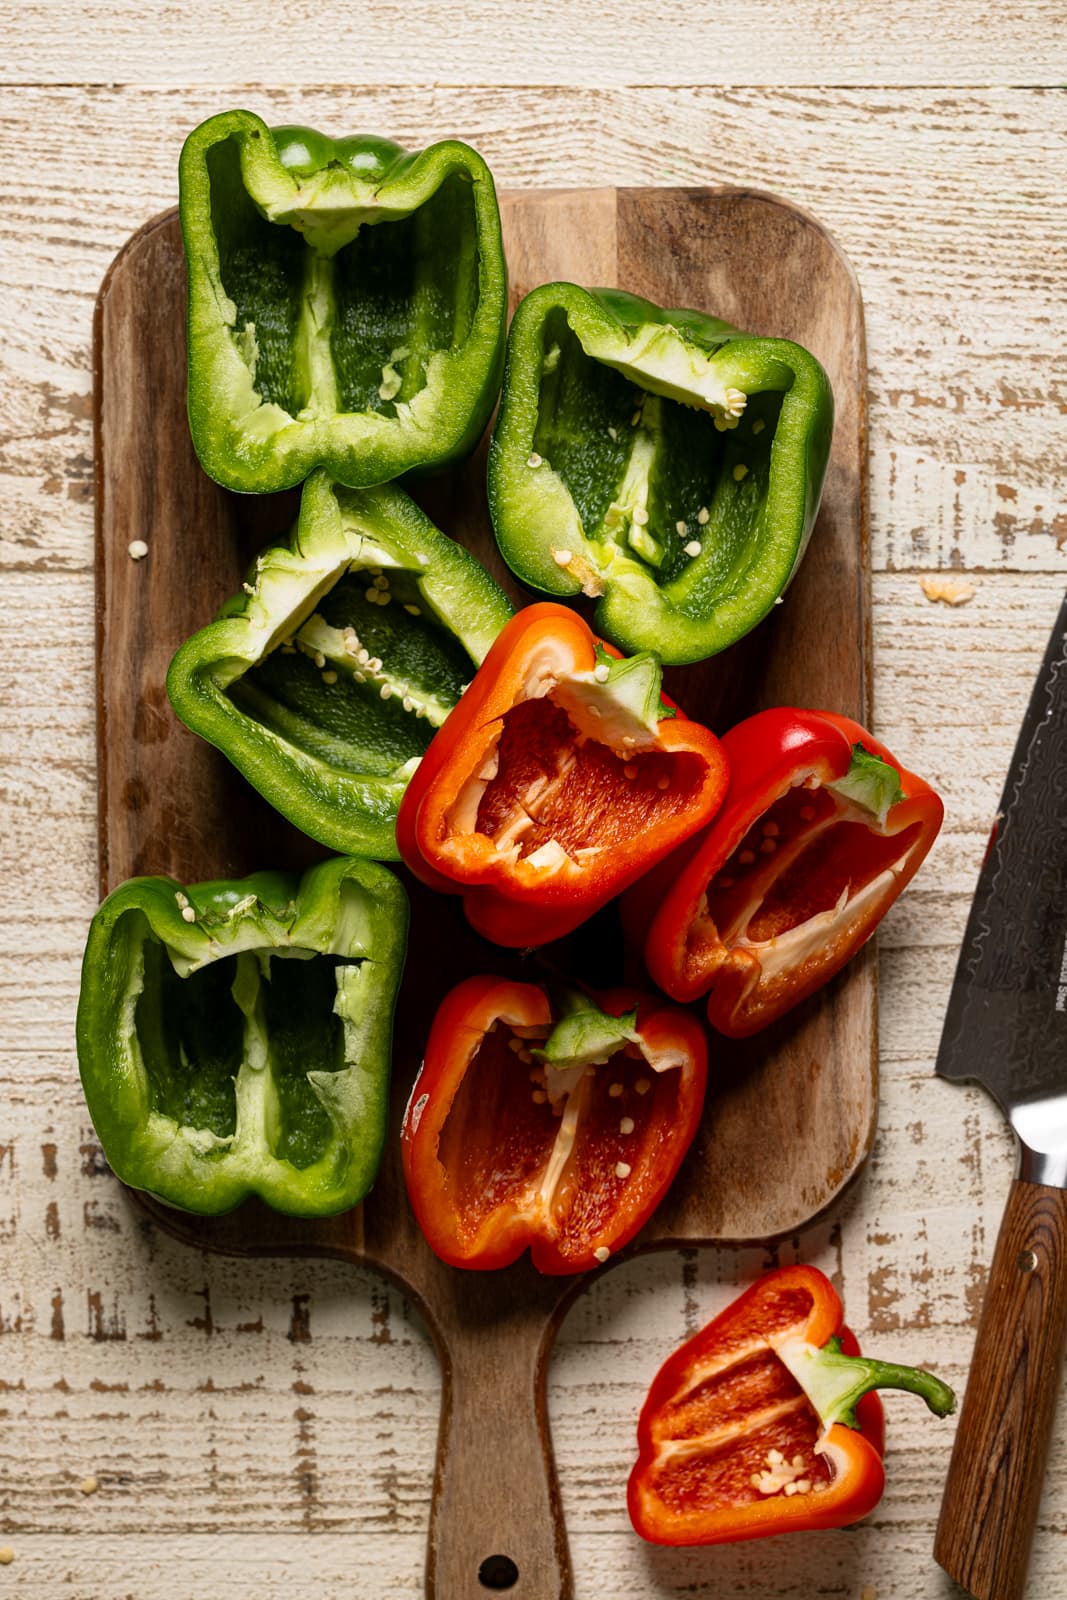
pixel 651 478
pixel 353 332
pixel 365 680
pixel 558 1143
pixel 742 1430
pixel 807 855
pixel 551 786
pixel 227 1050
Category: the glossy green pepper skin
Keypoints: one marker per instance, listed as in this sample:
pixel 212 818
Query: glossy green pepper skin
pixel 326 677
pixel 234 1038
pixel 346 303
pixel 659 460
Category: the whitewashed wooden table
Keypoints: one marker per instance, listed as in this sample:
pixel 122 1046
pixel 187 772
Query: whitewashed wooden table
pixel 229 1412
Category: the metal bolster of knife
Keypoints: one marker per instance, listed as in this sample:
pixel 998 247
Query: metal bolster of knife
pixel 1041 1127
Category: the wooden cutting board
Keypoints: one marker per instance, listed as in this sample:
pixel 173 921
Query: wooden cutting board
pixel 790 1114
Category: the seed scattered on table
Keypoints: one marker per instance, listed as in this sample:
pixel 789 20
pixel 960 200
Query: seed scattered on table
pixel 137 549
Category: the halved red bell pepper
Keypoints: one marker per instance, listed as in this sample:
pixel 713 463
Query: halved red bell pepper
pixel 558 780
pixel 820 830
pixel 765 1423
pixel 552 1128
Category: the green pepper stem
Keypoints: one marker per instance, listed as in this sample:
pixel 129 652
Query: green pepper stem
pixel 585 1035
pixel 834 1382
pixel 870 783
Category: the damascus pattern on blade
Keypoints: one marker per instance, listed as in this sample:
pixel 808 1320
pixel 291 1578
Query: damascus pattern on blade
pixel 1006 1026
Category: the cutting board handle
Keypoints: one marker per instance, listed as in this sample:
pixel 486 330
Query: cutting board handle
pixel 496 1524
pixel 995 1477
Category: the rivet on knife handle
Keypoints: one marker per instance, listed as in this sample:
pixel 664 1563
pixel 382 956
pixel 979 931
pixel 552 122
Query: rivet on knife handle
pixel 998 1462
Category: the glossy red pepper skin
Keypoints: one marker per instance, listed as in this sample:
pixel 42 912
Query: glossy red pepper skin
pixel 727 1382
pixel 479 1134
pixel 779 842
pixel 614 827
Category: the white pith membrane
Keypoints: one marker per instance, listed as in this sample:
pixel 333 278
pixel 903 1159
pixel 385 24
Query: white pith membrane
pixel 342 654
pixel 777 842
pixel 598 547
pixel 810 1470
pixel 561 1093
pixel 658 359
pixel 595 718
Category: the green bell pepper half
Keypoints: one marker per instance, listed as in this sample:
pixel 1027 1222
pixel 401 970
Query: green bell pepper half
pixel 234 1038
pixel 659 460
pixel 346 303
pixel 325 678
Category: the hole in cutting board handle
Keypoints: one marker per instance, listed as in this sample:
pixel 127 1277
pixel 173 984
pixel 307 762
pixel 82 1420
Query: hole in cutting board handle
pixel 498 1572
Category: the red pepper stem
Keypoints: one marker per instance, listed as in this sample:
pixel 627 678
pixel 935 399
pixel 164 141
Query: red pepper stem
pixel 834 1382
pixel 870 783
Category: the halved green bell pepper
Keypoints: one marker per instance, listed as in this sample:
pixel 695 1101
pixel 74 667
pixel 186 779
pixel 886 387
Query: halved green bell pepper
pixel 346 303
pixel 324 680
pixel 234 1038
pixel 659 460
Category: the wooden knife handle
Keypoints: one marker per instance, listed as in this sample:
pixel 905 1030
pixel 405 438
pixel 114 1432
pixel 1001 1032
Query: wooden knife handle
pixel 998 1460
pixel 496 1525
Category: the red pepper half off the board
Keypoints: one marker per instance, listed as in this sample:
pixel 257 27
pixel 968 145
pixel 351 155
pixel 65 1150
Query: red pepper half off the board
pixel 765 1421
pixel 554 1128
pixel 558 780
pixel 820 830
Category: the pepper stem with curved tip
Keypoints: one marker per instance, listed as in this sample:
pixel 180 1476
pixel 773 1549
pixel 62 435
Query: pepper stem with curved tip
pixel 834 1382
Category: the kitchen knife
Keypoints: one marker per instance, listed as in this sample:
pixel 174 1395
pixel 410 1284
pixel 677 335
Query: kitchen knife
pixel 1006 1028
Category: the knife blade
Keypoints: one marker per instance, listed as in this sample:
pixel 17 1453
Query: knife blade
pixel 1006 1028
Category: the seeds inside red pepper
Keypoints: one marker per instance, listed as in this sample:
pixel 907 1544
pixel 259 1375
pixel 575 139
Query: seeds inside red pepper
pixel 560 1136
pixel 560 778
pixel 820 830
pixel 553 784
pixel 765 1421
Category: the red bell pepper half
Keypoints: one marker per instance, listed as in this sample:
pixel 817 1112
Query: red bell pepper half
pixel 554 1129
pixel 765 1422
pixel 558 780
pixel 820 831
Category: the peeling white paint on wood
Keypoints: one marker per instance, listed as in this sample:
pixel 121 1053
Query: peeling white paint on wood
pixel 227 1410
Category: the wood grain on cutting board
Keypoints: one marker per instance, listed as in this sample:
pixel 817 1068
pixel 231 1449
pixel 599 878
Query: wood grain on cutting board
pixel 170 803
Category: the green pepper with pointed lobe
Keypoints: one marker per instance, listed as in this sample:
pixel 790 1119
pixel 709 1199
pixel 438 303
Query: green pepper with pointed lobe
pixel 325 678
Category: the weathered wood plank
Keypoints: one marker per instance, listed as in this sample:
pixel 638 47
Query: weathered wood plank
pixel 541 42
pixel 947 204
